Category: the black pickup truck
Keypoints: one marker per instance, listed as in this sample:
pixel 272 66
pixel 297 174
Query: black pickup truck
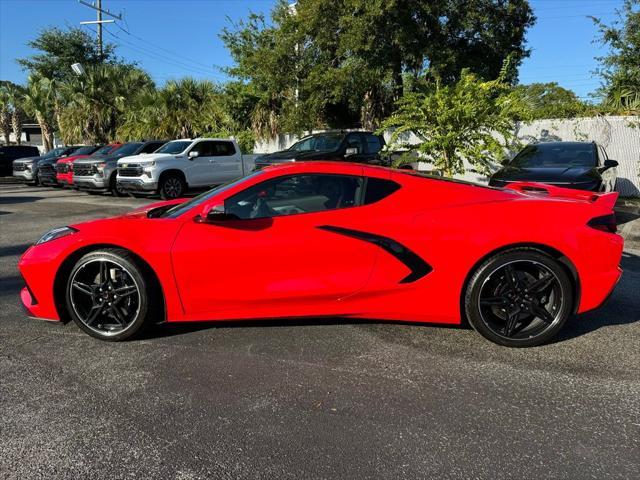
pixel 358 147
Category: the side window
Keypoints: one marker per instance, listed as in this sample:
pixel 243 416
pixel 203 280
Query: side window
pixel 379 188
pixel 204 149
pixel 295 194
pixel 373 144
pixel 224 149
pixel 354 140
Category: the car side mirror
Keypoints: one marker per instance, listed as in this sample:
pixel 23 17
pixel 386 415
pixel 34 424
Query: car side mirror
pixel 351 151
pixel 193 154
pixel 215 214
pixel 610 164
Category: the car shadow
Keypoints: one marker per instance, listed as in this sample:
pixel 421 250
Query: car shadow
pixel 4 200
pixel 14 249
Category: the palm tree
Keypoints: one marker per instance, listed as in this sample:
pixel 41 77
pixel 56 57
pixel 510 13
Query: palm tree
pixel 5 114
pixel 40 102
pixel 15 93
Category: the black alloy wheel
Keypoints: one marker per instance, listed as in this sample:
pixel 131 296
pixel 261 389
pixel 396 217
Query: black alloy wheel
pixel 107 295
pixel 171 187
pixel 520 298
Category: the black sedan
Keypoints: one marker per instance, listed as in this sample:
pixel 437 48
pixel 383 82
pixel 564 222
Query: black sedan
pixel 579 165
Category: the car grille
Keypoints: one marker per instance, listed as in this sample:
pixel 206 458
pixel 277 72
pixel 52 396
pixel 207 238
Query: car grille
pixel 47 168
pixel 62 167
pixel 83 170
pixel 19 167
pixel 130 171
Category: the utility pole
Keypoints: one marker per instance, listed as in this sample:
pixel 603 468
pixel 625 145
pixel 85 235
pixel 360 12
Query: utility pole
pixel 97 6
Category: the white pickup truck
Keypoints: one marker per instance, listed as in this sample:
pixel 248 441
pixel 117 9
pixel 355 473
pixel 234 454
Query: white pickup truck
pixel 182 164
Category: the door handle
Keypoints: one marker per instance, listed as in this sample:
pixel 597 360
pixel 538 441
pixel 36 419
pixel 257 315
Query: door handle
pixel 211 160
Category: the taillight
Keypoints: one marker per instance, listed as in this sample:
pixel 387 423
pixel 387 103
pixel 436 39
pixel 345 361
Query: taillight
pixel 606 223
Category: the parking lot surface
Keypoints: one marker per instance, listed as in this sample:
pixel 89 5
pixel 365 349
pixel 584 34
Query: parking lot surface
pixel 308 399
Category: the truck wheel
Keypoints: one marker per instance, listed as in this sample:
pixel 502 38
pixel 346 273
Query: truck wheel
pixel 116 190
pixel 171 186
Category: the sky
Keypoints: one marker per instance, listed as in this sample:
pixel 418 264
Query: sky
pixel 176 38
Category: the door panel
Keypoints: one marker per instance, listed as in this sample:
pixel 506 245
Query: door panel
pixel 227 162
pixel 261 266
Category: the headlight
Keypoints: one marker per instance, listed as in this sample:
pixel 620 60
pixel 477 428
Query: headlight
pixel 148 166
pixel 100 166
pixel 56 233
pixel 28 166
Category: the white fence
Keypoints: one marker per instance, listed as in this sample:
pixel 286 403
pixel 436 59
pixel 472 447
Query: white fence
pixel 618 135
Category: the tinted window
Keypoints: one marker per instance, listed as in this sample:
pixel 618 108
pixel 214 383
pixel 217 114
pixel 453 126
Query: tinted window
pixel 224 149
pixel 174 147
pixel 555 155
pixel 321 142
pixel 151 147
pixel 354 140
pixel 379 188
pixel 104 150
pixel 204 149
pixel 85 150
pixel 295 194
pixel 374 145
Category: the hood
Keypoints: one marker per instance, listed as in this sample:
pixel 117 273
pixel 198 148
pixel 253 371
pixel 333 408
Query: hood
pixel 143 212
pixel 26 159
pixel 547 174
pixel 289 155
pixel 146 157
pixel 100 159
pixel 72 158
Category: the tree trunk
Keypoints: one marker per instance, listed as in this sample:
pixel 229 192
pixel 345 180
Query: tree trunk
pixel 16 124
pixel 47 133
pixel 5 124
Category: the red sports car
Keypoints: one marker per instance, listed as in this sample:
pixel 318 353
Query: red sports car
pixel 334 239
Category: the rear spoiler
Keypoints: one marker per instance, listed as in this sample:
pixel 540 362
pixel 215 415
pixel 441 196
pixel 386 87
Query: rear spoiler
pixel 605 200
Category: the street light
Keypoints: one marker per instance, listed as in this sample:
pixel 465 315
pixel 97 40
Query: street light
pixel 78 69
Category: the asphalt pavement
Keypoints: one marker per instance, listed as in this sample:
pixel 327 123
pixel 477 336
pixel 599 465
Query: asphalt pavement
pixel 308 399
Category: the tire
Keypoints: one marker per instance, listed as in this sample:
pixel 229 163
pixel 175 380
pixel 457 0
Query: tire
pixel 103 281
pixel 526 311
pixel 171 186
pixel 116 191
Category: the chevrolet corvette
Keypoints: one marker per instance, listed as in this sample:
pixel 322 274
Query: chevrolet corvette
pixel 319 239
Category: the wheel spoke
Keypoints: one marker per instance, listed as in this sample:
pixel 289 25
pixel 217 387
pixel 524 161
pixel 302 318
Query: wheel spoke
pixel 118 315
pixel 126 290
pixel 93 314
pixel 512 319
pixel 104 272
pixel 543 314
pixel 539 286
pixel 83 287
pixel 494 301
pixel 510 275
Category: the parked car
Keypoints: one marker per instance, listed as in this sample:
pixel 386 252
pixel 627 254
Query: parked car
pixel 47 166
pixel 99 174
pixel 325 239
pixel 182 164
pixel 360 147
pixel 580 165
pixel 26 169
pixel 64 166
pixel 10 153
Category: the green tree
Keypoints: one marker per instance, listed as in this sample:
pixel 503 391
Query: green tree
pixel 40 102
pixel 95 103
pixel 549 100
pixel 470 120
pixel 343 63
pixel 5 114
pixel 62 48
pixel 16 94
pixel 620 70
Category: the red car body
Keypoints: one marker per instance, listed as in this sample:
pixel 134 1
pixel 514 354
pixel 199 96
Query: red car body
pixel 313 264
pixel 64 166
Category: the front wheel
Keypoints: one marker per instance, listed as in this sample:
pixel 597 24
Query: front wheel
pixel 519 298
pixel 116 188
pixel 171 186
pixel 108 296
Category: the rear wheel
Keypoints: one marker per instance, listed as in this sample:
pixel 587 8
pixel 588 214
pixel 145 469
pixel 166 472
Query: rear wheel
pixel 171 186
pixel 519 298
pixel 108 296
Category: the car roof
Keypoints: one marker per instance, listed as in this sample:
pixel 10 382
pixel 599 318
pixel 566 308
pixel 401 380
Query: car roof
pixel 556 144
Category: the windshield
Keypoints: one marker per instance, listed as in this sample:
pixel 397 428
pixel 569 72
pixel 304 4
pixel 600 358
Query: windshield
pixel 56 152
pixel 556 155
pixel 85 150
pixel 323 142
pixel 173 147
pixel 104 150
pixel 127 149
pixel 203 197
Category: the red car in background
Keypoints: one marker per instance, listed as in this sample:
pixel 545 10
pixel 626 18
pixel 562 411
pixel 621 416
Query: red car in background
pixel 318 239
pixel 64 166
